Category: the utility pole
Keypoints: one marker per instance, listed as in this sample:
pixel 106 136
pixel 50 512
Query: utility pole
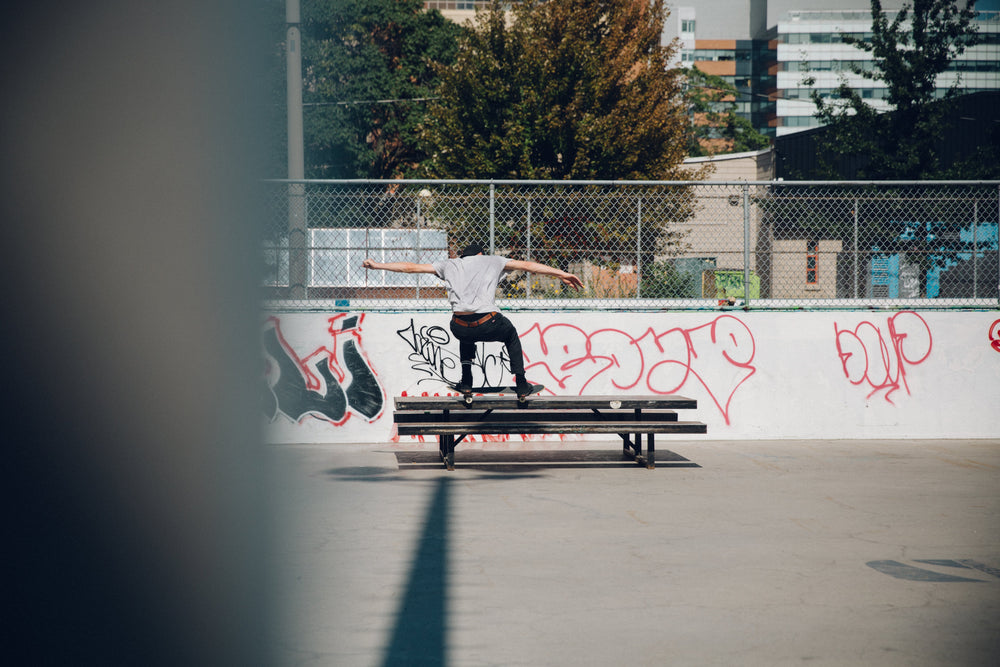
pixel 297 227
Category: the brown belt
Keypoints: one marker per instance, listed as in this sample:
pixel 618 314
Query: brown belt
pixel 473 323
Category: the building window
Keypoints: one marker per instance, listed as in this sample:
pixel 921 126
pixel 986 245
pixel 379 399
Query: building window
pixel 812 262
pixel 687 25
pixel 335 256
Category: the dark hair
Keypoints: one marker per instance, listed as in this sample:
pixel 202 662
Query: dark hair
pixel 471 249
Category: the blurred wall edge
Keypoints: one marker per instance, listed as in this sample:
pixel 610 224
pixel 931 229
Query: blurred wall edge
pixel 135 477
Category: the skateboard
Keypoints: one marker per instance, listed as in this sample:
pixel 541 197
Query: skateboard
pixel 469 399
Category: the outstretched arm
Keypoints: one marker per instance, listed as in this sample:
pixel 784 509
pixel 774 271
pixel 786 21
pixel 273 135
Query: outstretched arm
pixel 398 267
pixel 535 267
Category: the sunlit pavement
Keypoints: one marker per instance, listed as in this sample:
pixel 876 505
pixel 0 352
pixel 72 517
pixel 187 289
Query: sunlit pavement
pixel 728 553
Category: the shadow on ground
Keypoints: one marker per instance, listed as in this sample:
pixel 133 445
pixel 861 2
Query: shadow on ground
pixel 519 461
pixel 419 636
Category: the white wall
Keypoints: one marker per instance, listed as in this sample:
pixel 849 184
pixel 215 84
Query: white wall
pixel 331 378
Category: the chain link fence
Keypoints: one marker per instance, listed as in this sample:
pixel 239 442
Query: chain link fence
pixel 639 245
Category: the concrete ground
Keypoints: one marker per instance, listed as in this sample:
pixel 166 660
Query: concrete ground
pixel 728 553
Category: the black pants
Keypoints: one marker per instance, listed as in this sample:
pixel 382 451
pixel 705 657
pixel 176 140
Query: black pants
pixel 497 329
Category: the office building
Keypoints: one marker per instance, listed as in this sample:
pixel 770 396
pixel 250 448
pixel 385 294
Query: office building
pixel 766 49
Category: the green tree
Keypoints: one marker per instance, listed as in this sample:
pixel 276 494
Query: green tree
pixel 715 127
pixel 369 70
pixel 563 89
pixel 908 54
pixel 557 90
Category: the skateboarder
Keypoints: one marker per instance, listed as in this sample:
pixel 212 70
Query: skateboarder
pixel 472 280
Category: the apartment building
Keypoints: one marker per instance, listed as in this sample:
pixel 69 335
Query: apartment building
pixel 459 12
pixel 809 44
pixel 767 48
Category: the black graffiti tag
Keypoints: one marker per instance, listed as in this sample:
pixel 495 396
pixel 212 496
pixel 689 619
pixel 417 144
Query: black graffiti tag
pixel 429 355
pixel 427 351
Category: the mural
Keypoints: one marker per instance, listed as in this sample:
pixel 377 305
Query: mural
pixel 330 383
pixel 995 335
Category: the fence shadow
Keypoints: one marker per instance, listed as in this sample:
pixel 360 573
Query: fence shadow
pixel 523 461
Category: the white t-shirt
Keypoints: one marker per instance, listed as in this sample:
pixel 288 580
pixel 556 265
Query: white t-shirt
pixel 472 281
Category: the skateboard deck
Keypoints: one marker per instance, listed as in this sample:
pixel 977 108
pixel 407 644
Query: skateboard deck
pixel 469 399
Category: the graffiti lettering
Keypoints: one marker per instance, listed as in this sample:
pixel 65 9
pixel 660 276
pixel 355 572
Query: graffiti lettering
pixel 995 335
pixel 427 351
pixel 717 356
pixel 868 358
pixel 429 356
pixel 331 383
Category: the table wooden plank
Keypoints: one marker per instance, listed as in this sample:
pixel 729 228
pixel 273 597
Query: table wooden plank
pixel 613 402
pixel 536 427
pixel 585 416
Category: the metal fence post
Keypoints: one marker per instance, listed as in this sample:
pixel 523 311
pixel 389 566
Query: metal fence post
pixel 975 249
pixel 855 247
pixel 492 219
pixel 527 235
pixel 419 258
pixel 746 245
pixel 638 247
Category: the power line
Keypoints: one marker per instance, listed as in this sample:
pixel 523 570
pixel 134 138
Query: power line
pixel 741 93
pixel 352 102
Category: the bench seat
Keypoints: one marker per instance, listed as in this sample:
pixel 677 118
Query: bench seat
pixel 577 415
pixel 532 427
pixel 607 402
pixel 632 418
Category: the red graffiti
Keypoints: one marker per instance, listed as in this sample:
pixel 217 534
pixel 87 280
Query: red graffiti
pixel 870 358
pixel 995 335
pixel 718 356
